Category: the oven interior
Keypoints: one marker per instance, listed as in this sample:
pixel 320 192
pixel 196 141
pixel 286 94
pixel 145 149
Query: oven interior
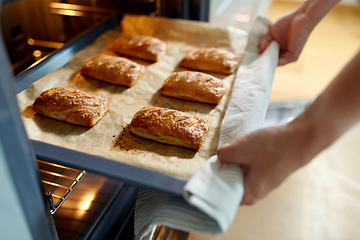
pixel 32 29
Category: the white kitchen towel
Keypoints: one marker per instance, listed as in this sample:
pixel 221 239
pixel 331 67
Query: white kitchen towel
pixel 213 194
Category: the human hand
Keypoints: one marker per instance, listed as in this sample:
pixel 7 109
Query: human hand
pixel 291 32
pixel 267 157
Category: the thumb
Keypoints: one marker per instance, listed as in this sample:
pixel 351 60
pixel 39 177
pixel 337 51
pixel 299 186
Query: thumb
pixel 265 41
pixel 228 153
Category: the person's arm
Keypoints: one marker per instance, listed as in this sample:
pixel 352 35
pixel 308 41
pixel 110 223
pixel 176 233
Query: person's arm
pixel 271 154
pixel 293 30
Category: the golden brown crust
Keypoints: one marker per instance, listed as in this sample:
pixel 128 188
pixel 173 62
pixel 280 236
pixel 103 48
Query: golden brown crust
pixel 211 59
pixel 139 46
pixel 113 69
pixel 170 127
pixel 70 105
pixel 194 86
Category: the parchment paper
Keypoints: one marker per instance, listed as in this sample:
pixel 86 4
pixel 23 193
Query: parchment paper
pixel 213 194
pixel 110 138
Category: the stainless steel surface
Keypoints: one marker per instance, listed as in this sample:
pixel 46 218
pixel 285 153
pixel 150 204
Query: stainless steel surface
pixel 166 233
pixel 279 113
pixel 26 216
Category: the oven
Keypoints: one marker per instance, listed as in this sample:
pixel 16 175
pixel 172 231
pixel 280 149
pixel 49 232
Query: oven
pixel 32 29
pixel 55 187
pixel 52 192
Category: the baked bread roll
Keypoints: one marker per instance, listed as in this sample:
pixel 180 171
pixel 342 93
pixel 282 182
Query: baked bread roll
pixel 194 86
pixel 139 46
pixel 70 105
pixel 170 127
pixel 113 69
pixel 210 59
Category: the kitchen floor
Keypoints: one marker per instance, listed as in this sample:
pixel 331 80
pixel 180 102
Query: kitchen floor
pixel 320 201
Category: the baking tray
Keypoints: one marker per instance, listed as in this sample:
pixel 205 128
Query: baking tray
pixel 133 175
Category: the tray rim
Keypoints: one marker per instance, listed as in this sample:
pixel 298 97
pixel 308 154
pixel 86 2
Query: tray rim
pixel 131 174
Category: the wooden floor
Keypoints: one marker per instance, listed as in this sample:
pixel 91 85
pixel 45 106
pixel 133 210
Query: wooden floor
pixel 330 46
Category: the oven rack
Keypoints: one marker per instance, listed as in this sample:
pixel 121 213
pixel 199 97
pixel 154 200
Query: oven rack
pixel 59 181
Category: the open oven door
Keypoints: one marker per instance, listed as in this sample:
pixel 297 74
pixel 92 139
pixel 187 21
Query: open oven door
pixel 23 206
